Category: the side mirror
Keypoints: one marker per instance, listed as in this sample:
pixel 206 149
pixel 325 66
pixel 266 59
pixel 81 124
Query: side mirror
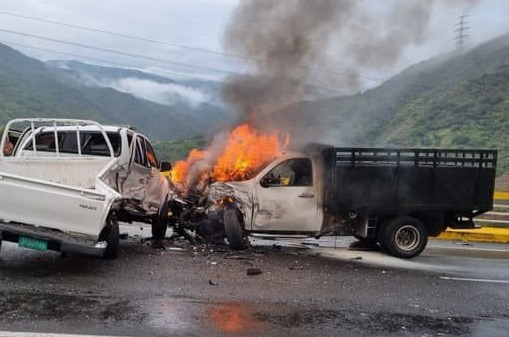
pixel 270 180
pixel 265 182
pixel 165 166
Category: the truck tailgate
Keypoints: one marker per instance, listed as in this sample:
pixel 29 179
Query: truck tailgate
pixel 56 206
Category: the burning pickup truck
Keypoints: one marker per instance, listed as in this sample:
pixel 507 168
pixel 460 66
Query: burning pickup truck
pixel 393 197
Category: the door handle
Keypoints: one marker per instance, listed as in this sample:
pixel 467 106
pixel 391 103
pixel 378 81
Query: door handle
pixel 306 195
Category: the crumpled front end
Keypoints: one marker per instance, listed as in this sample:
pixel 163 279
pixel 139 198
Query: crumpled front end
pixel 234 194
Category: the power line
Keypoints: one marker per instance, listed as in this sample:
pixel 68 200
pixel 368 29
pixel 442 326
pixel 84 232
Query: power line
pixel 141 70
pixel 86 46
pixel 132 37
pixel 107 62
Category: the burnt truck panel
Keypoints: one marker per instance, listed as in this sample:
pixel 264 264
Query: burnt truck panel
pixel 406 180
pixel 395 198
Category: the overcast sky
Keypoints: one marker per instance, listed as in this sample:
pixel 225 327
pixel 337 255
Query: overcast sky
pixel 198 24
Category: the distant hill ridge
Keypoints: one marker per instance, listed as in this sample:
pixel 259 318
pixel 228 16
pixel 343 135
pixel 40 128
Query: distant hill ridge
pixel 29 88
pixel 459 101
pixel 450 101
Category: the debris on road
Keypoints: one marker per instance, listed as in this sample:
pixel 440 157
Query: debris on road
pixel 253 271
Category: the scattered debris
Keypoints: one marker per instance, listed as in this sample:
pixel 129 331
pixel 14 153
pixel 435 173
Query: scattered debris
pixel 356 258
pixel 213 283
pixel 158 244
pixel 176 249
pixel 253 271
pixel 277 247
pixel 238 257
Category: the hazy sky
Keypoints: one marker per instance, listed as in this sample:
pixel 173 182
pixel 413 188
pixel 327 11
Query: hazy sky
pixel 200 24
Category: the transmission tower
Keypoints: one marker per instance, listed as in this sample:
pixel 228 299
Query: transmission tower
pixel 461 32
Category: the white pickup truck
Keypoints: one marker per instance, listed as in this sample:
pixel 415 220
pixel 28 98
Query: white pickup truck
pixel 67 183
pixel 393 197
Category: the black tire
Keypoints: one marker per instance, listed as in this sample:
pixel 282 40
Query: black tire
pixel 160 223
pixel 404 237
pixel 111 235
pixel 233 230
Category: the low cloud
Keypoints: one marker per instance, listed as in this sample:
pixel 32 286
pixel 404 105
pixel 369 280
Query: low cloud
pixel 166 94
pixel 161 93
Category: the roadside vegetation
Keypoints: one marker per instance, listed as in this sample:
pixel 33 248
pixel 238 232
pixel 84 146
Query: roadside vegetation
pixel 173 151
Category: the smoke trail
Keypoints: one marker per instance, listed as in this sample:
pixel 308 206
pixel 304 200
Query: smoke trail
pixel 288 38
pixel 283 37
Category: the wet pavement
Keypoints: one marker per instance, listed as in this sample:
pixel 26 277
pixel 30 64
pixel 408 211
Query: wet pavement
pixel 325 288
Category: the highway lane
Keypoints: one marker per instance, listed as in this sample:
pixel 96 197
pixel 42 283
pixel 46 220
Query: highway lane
pixel 328 288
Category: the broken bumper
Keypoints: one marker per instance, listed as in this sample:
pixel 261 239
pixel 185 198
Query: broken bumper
pixel 55 241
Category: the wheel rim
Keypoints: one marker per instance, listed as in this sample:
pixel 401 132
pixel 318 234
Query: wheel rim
pixel 407 237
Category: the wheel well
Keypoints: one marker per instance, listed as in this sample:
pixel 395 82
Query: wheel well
pixel 434 221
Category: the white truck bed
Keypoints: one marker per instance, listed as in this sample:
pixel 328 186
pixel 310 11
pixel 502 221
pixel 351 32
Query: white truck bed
pixel 57 194
pixel 62 200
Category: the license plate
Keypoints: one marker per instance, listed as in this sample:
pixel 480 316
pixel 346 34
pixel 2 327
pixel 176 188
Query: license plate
pixel 32 243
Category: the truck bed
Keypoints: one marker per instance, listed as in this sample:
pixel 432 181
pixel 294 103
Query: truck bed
pixel 69 194
pixel 360 179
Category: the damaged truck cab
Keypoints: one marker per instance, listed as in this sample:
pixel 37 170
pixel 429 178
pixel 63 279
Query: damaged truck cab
pixel 393 197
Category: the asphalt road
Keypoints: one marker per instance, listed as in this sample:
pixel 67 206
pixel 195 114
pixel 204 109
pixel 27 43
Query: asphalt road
pixel 320 288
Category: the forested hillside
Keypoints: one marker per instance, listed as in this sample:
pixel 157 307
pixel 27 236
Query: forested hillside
pixel 457 100
pixel 454 101
pixel 28 88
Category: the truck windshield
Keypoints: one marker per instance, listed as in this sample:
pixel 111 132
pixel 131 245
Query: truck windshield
pixel 255 171
pixel 92 143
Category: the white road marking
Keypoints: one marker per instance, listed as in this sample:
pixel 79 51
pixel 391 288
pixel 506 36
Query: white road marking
pixel 470 280
pixel 469 247
pixel 37 334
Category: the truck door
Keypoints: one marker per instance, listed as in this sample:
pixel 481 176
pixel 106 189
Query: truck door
pixel 286 199
pixel 143 179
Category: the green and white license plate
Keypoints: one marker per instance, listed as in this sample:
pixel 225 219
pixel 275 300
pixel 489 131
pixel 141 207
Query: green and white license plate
pixel 32 243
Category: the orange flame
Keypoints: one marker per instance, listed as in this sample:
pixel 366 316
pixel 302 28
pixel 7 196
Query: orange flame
pixel 181 168
pixel 246 151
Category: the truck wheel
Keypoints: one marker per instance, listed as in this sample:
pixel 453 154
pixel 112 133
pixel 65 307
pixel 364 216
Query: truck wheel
pixel 233 230
pixel 403 236
pixel 160 223
pixel 111 235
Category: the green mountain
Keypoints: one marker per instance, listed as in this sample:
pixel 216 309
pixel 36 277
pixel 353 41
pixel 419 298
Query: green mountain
pixel 30 88
pixel 456 101
pixel 27 88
